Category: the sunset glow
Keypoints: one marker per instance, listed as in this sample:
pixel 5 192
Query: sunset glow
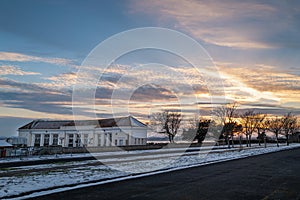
pixel 254 46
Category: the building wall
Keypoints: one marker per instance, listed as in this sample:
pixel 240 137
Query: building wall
pixel 86 136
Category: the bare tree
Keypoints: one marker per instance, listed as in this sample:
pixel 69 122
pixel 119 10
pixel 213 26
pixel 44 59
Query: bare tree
pixel 226 113
pixel 169 123
pixel 250 122
pixel 237 130
pixel 275 125
pixel 230 130
pixel 227 116
pixel 289 125
pixel 261 127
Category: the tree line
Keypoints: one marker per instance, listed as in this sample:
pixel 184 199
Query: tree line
pixel 228 123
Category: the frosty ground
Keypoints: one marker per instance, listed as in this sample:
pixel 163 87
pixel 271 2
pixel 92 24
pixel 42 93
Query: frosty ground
pixel 43 179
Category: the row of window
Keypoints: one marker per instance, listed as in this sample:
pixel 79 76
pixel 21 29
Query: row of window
pixel 139 141
pixel 77 138
pixel 37 139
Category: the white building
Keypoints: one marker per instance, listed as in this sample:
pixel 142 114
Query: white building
pixel 103 132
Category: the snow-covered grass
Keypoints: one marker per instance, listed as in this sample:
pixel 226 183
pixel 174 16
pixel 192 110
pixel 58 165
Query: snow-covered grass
pixel 136 152
pixel 133 166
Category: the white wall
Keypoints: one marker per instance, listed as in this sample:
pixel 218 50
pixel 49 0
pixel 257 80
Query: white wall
pixel 119 136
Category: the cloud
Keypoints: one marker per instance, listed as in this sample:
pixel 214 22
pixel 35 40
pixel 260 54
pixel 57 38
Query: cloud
pixel 65 80
pixel 263 77
pixel 71 79
pixel 18 57
pixel 150 92
pixel 241 83
pixel 238 24
pixel 27 99
pixel 54 96
pixel 13 70
pixel 43 102
pixel 260 85
pixel 12 85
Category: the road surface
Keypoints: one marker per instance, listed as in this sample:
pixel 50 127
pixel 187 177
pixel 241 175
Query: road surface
pixel 270 176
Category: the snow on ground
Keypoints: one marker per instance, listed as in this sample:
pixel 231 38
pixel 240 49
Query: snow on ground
pixel 59 156
pixel 127 166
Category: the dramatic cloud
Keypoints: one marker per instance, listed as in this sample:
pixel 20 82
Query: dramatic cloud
pixel 240 24
pixel 264 79
pixel 261 86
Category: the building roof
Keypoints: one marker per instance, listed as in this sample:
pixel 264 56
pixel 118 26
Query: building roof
pixel 103 123
pixel 3 143
pixel 45 124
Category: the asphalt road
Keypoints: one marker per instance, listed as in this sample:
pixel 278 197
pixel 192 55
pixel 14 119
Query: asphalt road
pixel 270 176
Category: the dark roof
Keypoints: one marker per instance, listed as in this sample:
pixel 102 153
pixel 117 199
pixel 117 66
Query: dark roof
pixel 45 124
pixel 3 143
pixel 111 122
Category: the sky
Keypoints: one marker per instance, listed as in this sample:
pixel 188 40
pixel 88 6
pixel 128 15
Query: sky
pixel 254 47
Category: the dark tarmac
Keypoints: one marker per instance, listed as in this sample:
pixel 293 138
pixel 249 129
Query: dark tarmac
pixel 269 176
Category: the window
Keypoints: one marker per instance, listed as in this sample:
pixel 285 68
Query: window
pixel 46 139
pixel 71 139
pixel 37 140
pixel 99 139
pixel 110 141
pixel 135 141
pixel 78 140
pixel 55 139
pixel 85 139
pixel 116 142
pixel 121 142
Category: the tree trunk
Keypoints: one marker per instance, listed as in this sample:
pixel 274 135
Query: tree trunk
pixel 259 136
pixel 228 142
pixel 287 140
pixel 277 140
pixel 232 141
pixel 240 141
pixel 170 139
pixel 247 142
pixel 199 140
pixel 265 141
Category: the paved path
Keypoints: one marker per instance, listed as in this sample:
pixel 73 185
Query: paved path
pixel 270 176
